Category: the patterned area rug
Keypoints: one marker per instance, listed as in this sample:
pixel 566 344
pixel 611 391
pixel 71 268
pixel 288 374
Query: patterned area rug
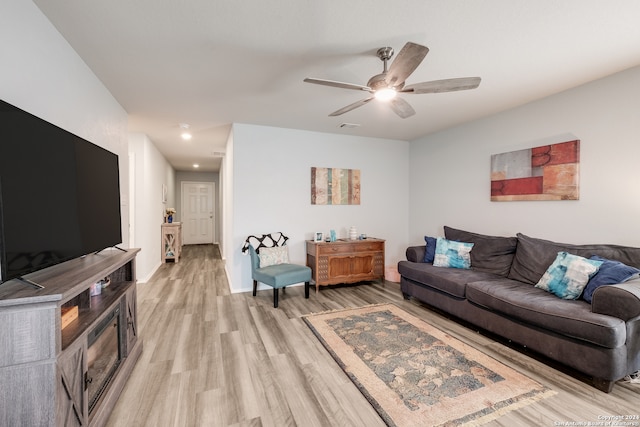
pixel 414 374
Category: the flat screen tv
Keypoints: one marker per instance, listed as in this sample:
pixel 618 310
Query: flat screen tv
pixel 59 195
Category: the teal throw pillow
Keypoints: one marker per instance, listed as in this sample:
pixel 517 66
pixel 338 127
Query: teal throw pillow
pixel 567 276
pixel 450 253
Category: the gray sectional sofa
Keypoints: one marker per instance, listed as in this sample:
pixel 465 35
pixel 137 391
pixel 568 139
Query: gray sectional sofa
pixel 600 339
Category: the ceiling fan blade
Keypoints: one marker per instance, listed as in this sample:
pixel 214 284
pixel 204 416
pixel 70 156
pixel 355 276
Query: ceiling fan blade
pixel 401 107
pixel 447 85
pixel 406 62
pixel 337 84
pixel 351 107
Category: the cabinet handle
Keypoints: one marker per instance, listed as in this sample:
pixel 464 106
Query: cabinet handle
pixel 87 380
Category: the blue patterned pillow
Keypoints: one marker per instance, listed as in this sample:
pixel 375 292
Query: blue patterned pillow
pixel 430 249
pixel 450 253
pixel 610 273
pixel 567 276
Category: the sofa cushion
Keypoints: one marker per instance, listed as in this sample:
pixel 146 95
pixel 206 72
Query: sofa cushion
pixel 533 256
pixel 610 273
pixel 567 276
pixel 540 308
pixel 450 253
pixel 491 254
pixel 448 280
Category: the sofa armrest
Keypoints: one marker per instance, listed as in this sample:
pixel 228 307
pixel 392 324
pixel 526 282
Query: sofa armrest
pixel 416 253
pixel 621 300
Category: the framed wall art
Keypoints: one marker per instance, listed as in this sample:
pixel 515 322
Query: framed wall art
pixel 548 172
pixel 334 186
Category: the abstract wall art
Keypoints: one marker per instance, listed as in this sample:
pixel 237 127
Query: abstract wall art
pixel 548 172
pixel 334 186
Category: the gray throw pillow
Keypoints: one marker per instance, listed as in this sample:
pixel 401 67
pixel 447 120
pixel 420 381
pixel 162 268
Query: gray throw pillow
pixel 490 254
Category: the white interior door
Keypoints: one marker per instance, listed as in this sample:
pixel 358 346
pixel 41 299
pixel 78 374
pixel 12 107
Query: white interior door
pixel 197 213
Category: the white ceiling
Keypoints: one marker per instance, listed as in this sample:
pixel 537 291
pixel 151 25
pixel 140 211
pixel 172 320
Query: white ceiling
pixel 210 63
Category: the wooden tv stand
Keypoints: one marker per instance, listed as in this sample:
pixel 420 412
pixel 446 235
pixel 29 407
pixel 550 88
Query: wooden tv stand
pixel 43 367
pixel 346 261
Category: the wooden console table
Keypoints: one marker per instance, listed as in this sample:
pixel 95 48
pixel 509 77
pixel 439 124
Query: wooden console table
pixel 171 241
pixel 345 261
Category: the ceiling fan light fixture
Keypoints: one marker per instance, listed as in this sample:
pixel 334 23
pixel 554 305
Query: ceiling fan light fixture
pixel 185 134
pixel 385 94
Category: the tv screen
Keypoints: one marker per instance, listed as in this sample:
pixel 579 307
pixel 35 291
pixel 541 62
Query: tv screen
pixel 59 195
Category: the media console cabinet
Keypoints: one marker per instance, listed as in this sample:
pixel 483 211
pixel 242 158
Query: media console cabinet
pixel 345 261
pixel 71 376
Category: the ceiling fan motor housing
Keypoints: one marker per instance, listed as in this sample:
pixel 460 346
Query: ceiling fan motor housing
pixel 379 82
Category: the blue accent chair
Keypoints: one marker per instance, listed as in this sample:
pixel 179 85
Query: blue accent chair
pixel 278 276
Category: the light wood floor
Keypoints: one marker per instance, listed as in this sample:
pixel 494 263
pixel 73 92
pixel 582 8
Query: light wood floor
pixel 212 358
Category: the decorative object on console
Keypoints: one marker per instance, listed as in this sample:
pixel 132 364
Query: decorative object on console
pixel 333 237
pixel 333 186
pixel 95 289
pixel 415 374
pixel 318 236
pixel 549 172
pixel 353 233
pixel 169 214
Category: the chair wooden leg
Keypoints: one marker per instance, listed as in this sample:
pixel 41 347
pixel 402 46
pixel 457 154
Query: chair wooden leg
pixel 306 290
pixel 255 287
pixel 275 297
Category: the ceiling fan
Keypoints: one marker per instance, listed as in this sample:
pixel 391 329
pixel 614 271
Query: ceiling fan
pixel 391 81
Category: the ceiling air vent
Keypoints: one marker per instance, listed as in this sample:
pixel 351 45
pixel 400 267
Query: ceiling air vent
pixel 348 125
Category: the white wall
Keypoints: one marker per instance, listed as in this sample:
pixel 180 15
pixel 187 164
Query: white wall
pixel 226 203
pixel 450 170
pixel 42 74
pixel 151 171
pixel 272 191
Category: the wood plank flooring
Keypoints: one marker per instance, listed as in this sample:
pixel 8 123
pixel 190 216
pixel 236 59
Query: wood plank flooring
pixel 212 358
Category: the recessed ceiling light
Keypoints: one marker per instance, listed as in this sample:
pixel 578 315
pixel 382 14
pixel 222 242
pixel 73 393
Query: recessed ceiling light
pixel 186 135
pixel 195 165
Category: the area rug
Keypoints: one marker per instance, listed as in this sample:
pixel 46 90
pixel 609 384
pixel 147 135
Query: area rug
pixel 416 375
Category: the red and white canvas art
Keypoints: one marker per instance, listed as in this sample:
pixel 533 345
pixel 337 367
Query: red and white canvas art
pixel 548 172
